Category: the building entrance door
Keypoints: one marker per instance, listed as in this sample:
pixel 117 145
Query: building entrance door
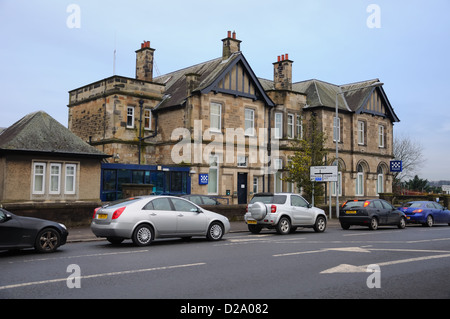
pixel 242 188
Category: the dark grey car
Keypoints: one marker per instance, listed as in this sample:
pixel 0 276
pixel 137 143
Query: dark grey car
pixel 370 213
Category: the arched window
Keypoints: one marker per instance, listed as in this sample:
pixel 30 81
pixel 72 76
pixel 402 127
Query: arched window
pixel 359 181
pixel 380 180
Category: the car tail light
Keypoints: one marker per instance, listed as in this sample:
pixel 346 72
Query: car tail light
pixel 273 208
pixel 95 212
pixel 418 211
pixel 118 212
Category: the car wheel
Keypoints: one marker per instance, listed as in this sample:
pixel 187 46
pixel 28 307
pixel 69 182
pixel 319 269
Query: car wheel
pixel 215 231
pixel 47 240
pixel 345 226
pixel 429 222
pixel 143 235
pixel 402 223
pixel 373 224
pixel 284 226
pixel 254 229
pixel 320 225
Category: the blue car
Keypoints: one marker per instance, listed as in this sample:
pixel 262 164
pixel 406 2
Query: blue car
pixel 426 213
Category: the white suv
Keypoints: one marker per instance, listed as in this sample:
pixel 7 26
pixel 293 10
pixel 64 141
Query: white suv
pixel 284 212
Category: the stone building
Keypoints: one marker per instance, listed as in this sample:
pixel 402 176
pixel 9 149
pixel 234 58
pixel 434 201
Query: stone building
pixel 41 161
pixel 216 128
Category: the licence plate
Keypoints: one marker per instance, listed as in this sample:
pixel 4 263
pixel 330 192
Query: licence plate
pixel 252 222
pixel 102 216
pixel 351 212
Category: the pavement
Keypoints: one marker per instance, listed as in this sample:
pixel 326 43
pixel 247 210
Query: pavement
pixel 83 234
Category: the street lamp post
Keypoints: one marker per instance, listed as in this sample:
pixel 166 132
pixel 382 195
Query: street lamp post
pixel 336 119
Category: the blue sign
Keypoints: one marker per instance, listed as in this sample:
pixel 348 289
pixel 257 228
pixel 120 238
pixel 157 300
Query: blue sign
pixel 396 166
pixel 203 179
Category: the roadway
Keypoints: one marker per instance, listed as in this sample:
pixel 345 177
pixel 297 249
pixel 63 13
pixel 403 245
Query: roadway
pixel 357 263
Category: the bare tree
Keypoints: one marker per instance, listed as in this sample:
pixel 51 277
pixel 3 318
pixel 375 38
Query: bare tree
pixel 411 154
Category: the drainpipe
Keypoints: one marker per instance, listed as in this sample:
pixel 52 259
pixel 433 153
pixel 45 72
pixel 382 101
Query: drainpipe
pixel 155 132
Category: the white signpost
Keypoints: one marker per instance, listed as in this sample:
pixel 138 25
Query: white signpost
pixel 324 174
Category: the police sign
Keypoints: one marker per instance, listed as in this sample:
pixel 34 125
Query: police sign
pixel 203 179
pixel 396 166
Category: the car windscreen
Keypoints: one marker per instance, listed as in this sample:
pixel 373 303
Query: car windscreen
pixel 352 204
pixel 269 199
pixel 412 204
pixel 122 202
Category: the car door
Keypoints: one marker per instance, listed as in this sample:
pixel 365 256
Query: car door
pixel 439 213
pixel 190 218
pixel 301 214
pixel 10 230
pixel 392 215
pixel 381 211
pixel 159 211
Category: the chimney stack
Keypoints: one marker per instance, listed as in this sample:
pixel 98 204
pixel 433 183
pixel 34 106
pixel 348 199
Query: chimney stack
pixel 144 62
pixel 230 45
pixel 282 73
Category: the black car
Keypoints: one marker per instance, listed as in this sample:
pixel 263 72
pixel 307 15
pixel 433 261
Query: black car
pixel 371 213
pixel 18 232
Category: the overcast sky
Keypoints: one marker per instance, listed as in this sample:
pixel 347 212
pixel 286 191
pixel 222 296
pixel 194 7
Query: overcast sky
pixel 49 47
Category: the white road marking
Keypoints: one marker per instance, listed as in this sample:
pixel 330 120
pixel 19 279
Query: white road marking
pixel 345 268
pixel 347 249
pixel 117 273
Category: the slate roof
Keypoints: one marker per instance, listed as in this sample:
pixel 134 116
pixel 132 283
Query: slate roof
pixel 323 94
pixel 209 72
pixel 39 132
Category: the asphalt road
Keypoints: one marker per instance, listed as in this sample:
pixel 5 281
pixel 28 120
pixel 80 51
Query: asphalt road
pixel 357 263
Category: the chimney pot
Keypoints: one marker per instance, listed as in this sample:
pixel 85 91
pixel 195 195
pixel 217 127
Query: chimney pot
pixel 282 57
pixel 279 58
pixel 229 34
pixel 287 56
pixel 234 35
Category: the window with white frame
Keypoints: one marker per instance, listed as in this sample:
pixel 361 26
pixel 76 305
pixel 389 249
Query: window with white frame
pixel 299 127
pixel 339 185
pixel 213 177
pixel 380 136
pixel 255 184
pixel 361 132
pixel 336 129
pixel 39 178
pixel 359 181
pixel 380 180
pixel 55 179
pixel 147 119
pixel 215 115
pixel 70 179
pixel 242 161
pixel 249 122
pixel 290 126
pixel 130 117
pixel 278 182
pixel 278 125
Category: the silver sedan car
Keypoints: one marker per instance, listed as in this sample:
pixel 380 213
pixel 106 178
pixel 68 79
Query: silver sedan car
pixel 142 219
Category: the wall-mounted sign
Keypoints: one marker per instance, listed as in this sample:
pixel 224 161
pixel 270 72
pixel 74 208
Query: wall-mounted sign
pixel 203 179
pixel 396 166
